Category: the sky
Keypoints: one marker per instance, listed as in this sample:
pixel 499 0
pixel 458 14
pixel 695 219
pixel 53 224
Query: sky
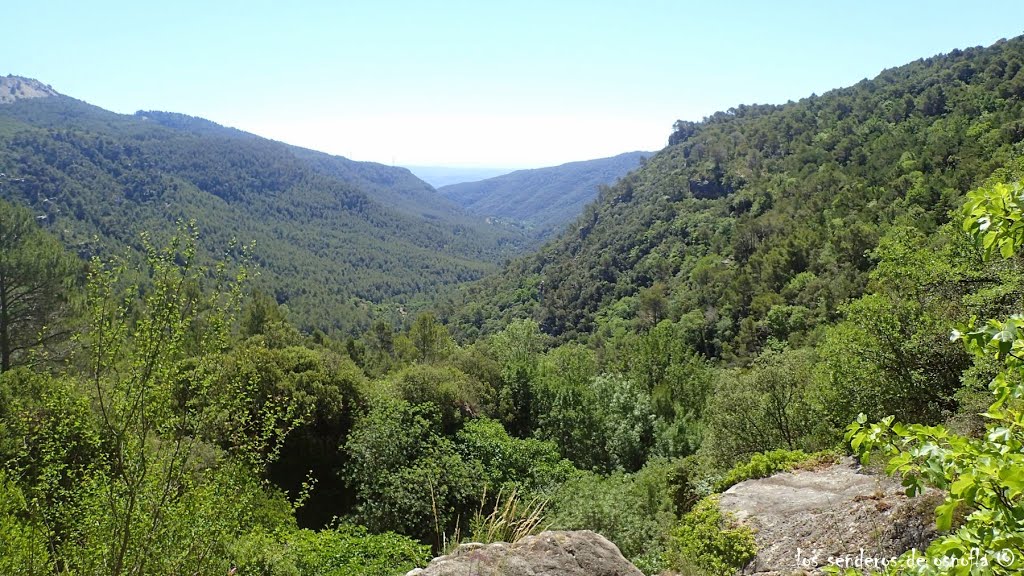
pixel 478 83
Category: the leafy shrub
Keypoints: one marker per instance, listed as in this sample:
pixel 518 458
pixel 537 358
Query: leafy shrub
pixel 453 393
pixel 707 541
pixel 348 550
pixel 984 476
pixel 763 465
pixel 405 474
pixel 508 463
pixel 22 542
pixel 768 407
pixel 635 511
pixel 345 550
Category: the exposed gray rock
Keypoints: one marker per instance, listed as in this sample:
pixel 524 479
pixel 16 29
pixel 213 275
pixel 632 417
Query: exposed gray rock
pixel 805 520
pixel 554 553
pixel 14 88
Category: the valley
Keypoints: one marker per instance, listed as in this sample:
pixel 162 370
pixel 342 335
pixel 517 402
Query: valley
pixel 227 353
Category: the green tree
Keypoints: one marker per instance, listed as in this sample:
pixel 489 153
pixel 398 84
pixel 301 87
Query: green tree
pixel 455 395
pixel 568 409
pixel 36 280
pixel 628 420
pixel 407 476
pixel 430 338
pixel 163 497
pixel 770 406
pixel 22 541
pixel 983 476
pixel 518 348
pixel 526 466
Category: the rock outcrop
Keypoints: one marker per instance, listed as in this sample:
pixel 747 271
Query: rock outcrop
pixel 14 88
pixel 554 553
pixel 808 519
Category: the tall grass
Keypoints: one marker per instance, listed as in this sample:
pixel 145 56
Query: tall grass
pixel 511 519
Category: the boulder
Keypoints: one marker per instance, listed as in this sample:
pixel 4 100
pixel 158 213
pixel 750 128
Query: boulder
pixel 839 515
pixel 553 553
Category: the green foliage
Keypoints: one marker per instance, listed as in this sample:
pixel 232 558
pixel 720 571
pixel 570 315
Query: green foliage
pixel 981 475
pixel 37 278
pixel 430 338
pixel 707 541
pixel 890 355
pixel 569 411
pixel 339 551
pixel 406 475
pixel 262 316
pixel 678 381
pixel 256 383
pixel 512 465
pixel 49 444
pixel 454 395
pixel 156 479
pixel 517 349
pixel 118 465
pixel 993 217
pixel 627 421
pixel 635 511
pixel 773 405
pixel 23 542
pixel 761 220
pixel 763 465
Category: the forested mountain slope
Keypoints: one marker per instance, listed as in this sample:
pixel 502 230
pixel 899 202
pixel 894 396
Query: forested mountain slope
pixel 439 176
pixel 757 222
pixel 779 286
pixel 333 237
pixel 546 199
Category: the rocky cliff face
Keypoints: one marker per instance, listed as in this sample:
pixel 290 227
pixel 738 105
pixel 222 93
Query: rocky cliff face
pixel 13 88
pixel 577 553
pixel 809 519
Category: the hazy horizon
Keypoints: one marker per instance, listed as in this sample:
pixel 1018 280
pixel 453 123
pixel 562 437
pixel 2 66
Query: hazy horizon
pixel 457 84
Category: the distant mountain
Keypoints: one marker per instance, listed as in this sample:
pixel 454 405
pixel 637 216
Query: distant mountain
pixel 13 88
pixel 546 199
pixel 438 176
pixel 334 238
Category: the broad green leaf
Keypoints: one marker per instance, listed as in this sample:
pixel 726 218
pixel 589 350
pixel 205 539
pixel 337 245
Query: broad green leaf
pixel 944 515
pixel 1013 478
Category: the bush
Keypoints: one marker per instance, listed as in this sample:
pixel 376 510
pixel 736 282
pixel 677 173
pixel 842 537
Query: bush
pixel 707 541
pixel 352 551
pixel 635 511
pixel 405 474
pixel 766 464
pixel 771 406
pixel 22 541
pixel 508 463
pixel 345 550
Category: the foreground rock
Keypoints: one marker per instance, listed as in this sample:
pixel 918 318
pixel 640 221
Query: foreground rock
pixel 809 519
pixel 576 553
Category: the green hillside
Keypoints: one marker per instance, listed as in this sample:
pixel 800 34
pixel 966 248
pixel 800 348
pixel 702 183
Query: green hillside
pixel 334 238
pixel 778 289
pixel 544 200
pixel 758 222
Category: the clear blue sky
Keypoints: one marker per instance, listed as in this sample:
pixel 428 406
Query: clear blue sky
pixel 513 84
